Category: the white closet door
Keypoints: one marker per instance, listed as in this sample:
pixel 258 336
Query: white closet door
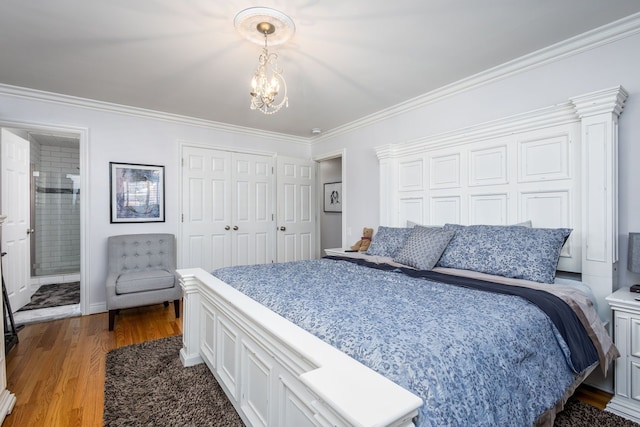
pixel 252 209
pixel 296 209
pixel 206 218
pixel 227 209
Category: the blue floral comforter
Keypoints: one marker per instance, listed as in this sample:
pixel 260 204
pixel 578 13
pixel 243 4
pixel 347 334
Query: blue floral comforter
pixel 475 358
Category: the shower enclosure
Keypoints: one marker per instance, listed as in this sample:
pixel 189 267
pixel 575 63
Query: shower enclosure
pixel 55 205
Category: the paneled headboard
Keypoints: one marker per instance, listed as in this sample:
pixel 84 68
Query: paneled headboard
pixel 556 166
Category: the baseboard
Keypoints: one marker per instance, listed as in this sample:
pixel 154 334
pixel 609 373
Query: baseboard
pixel 620 406
pixel 97 308
pixel 7 402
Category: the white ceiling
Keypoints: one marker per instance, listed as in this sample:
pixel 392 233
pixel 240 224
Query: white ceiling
pixel 347 59
pixel 47 139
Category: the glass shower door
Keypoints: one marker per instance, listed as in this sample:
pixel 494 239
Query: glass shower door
pixel 55 211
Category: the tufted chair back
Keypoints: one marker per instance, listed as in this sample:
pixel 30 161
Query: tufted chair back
pixel 142 252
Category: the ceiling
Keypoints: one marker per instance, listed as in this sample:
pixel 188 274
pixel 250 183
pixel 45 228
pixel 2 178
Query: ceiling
pixel 346 60
pixel 50 140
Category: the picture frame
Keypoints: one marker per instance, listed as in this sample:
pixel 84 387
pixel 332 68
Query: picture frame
pixel 333 197
pixel 136 192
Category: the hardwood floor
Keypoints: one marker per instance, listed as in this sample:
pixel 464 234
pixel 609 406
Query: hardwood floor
pixel 57 369
pixel 592 396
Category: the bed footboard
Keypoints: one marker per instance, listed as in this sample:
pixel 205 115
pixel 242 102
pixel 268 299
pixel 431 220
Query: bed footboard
pixel 277 374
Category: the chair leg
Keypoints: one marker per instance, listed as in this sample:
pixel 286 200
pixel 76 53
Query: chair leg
pixel 176 306
pixel 112 319
pixel 166 304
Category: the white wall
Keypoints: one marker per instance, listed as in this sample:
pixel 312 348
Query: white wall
pixel 127 137
pixel 612 64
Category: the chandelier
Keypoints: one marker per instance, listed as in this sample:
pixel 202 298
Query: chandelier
pixel 264 25
pixel 268 80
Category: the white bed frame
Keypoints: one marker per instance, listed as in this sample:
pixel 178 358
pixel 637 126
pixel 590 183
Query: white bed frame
pixel 556 166
pixel 277 374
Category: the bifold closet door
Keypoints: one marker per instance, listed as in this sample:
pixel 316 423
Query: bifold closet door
pixel 226 208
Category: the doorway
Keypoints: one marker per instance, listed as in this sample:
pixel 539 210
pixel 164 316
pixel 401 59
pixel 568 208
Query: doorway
pixel 53 185
pixel 331 224
pixel 55 205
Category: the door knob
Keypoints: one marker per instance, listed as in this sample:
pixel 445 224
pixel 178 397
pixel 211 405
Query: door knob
pixel 30 231
pixel 227 228
pixel 283 228
pixel 235 227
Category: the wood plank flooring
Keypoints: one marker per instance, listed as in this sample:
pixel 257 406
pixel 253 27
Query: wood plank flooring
pixel 57 369
pixel 592 396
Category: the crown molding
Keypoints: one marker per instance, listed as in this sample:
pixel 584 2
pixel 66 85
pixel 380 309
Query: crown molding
pixel 617 30
pixel 74 101
pixel 609 33
pixel 601 102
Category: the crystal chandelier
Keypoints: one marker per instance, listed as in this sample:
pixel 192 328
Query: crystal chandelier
pixel 268 81
pixel 268 86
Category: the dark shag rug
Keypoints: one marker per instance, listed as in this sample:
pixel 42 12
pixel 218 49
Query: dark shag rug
pixel 54 295
pixel 579 414
pixel 146 385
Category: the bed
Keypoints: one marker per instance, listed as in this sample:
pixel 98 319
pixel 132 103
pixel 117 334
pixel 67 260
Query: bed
pixel 294 362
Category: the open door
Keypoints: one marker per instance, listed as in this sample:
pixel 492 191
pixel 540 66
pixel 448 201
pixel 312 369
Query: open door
pixel 16 230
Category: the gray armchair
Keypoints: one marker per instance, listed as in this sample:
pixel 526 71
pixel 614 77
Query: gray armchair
pixel 142 271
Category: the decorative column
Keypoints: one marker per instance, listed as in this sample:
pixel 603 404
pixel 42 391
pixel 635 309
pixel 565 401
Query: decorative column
pixel 599 112
pixel 388 186
pixel 191 309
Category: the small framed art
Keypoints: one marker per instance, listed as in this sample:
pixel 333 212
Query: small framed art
pixel 333 197
pixel 137 192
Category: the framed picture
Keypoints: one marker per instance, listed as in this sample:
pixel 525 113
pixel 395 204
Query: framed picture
pixel 137 192
pixel 333 197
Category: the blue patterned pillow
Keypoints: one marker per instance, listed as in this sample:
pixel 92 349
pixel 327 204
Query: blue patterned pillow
pixel 388 241
pixel 509 251
pixel 424 247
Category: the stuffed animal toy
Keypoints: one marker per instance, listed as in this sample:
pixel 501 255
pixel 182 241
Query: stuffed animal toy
pixel 363 244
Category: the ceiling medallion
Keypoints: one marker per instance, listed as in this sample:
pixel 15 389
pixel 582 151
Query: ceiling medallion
pixel 263 25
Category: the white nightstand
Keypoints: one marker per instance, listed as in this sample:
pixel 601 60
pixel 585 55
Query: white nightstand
pixel 626 322
pixel 344 253
pixel 334 252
